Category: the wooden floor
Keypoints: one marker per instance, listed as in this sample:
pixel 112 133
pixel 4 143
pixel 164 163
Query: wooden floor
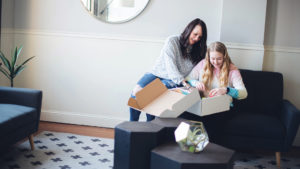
pixel 109 133
pixel 76 129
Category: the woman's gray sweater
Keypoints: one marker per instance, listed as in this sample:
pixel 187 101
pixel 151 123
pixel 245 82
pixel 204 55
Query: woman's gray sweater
pixel 171 64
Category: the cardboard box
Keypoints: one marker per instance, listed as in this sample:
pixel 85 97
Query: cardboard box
pixel 157 100
pixel 211 105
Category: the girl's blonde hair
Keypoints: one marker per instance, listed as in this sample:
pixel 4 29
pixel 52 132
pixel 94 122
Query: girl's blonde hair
pixel 207 76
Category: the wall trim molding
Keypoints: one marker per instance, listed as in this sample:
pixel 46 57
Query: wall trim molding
pixel 244 46
pixel 160 40
pixel 284 49
pixel 119 37
pixel 80 119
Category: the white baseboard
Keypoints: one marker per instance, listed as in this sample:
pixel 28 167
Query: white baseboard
pixel 96 120
pixel 80 119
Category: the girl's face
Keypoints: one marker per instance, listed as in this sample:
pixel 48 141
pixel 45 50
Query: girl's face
pixel 216 59
pixel 195 35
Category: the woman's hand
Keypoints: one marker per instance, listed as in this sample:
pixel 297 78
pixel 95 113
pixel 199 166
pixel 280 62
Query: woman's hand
pixel 200 86
pixel 217 91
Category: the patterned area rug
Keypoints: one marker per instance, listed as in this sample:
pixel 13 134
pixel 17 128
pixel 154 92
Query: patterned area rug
pixel 69 151
pixel 55 150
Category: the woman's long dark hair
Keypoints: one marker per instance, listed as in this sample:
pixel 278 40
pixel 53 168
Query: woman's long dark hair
pixel 199 49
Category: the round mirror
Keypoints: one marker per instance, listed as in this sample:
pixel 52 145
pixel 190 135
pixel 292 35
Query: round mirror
pixel 115 11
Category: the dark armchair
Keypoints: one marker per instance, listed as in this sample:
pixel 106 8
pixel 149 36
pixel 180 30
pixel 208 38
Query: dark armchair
pixel 20 110
pixel 264 120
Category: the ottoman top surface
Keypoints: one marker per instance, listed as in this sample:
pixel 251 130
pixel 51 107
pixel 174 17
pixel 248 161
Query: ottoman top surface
pixel 139 127
pixel 213 153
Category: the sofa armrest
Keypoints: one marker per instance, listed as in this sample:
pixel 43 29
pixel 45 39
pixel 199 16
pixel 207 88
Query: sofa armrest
pixel 21 96
pixel 290 117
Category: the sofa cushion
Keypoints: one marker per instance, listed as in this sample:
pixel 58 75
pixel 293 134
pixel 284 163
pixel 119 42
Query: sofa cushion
pixel 13 116
pixel 255 125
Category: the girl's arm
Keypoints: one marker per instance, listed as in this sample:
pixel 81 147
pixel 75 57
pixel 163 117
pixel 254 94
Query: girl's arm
pixel 237 88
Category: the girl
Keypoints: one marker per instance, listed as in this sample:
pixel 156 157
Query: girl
pixel 217 75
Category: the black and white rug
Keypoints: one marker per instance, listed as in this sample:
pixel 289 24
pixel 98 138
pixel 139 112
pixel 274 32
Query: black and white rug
pixel 55 150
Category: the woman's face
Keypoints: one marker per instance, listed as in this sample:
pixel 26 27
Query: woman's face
pixel 195 35
pixel 216 59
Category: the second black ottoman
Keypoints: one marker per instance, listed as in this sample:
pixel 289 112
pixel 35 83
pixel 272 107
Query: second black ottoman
pixel 212 157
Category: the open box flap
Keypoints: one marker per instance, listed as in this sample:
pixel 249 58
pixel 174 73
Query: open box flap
pixel 163 103
pixel 133 103
pixel 186 102
pixel 150 93
pixel 147 94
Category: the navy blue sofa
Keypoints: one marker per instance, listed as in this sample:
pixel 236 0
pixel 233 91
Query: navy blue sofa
pixel 20 110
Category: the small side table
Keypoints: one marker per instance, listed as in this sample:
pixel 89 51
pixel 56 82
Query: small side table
pixel 169 156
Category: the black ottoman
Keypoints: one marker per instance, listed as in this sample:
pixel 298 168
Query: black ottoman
pixel 133 144
pixel 170 156
pixel 169 125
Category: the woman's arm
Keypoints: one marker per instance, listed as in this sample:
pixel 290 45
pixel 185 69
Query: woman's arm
pixel 194 77
pixel 170 53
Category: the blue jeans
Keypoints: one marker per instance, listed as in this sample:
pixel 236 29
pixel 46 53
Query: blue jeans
pixel 145 80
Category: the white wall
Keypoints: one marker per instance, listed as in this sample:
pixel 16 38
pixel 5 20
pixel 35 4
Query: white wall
pixel 87 68
pixel 283 23
pixel 7 34
pixel 159 20
pixel 282 42
pixel 243 21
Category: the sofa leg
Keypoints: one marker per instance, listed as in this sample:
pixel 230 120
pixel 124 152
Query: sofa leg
pixel 31 141
pixel 278 159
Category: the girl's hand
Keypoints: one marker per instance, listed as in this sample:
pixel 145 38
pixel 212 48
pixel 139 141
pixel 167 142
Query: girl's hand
pixel 186 85
pixel 217 91
pixel 200 86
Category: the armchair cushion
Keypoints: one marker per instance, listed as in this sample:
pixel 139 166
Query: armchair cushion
pixel 20 110
pixel 14 116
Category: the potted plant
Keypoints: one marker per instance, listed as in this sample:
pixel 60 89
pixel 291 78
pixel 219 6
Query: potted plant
pixel 11 69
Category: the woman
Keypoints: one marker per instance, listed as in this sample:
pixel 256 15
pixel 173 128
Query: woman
pixel 216 75
pixel 178 56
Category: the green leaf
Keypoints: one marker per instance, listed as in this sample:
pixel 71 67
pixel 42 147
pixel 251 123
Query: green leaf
pixel 5 60
pixel 27 60
pixel 18 70
pixel 16 56
pixel 4 72
pixel 19 51
pixel 14 59
pixel 13 69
